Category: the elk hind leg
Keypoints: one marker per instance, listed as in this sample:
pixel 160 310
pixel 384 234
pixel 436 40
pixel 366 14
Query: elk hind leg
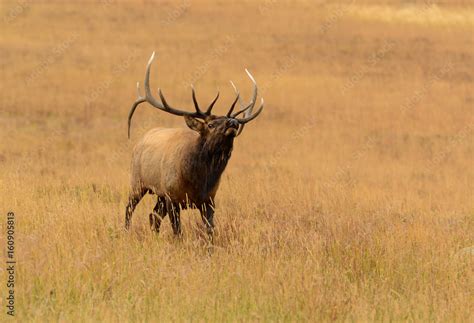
pixel 133 200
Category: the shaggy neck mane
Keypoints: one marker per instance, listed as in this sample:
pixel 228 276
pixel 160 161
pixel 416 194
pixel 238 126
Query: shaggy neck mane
pixel 207 162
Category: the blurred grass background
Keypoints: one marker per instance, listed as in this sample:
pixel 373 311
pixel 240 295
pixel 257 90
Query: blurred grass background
pixel 350 198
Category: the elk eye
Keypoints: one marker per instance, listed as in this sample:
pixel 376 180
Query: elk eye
pixel 211 125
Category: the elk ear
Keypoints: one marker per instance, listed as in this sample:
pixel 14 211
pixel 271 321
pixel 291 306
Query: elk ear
pixel 194 124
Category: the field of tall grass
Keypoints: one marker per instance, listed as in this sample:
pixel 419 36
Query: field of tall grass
pixel 350 198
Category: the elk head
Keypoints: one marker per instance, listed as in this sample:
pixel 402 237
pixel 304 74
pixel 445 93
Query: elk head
pixel 212 129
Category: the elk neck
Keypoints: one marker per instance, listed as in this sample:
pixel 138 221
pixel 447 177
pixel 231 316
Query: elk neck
pixel 207 161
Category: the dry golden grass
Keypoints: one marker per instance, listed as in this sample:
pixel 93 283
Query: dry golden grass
pixel 350 198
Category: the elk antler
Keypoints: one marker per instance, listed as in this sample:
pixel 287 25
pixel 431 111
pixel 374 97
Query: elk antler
pixel 163 105
pixel 246 110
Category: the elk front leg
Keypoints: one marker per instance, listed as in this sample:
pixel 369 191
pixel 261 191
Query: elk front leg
pixel 174 213
pixel 158 214
pixel 207 215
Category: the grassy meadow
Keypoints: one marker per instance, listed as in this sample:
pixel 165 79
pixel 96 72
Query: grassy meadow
pixel 350 198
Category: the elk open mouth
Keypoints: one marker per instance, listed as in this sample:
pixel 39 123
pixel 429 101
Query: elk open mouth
pixel 232 130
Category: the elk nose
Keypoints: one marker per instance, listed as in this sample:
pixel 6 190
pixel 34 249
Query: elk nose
pixel 232 123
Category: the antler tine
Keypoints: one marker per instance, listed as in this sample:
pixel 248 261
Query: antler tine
pixel 254 97
pixel 233 103
pixel 243 107
pixel 237 92
pixel 164 106
pixel 247 111
pixel 251 117
pixel 163 100
pixel 140 99
pixel 149 97
pixel 196 105
pixel 139 95
pixel 209 108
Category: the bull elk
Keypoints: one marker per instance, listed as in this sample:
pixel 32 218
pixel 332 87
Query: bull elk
pixel 183 167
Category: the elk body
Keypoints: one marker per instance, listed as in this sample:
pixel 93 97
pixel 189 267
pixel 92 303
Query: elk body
pixel 182 167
